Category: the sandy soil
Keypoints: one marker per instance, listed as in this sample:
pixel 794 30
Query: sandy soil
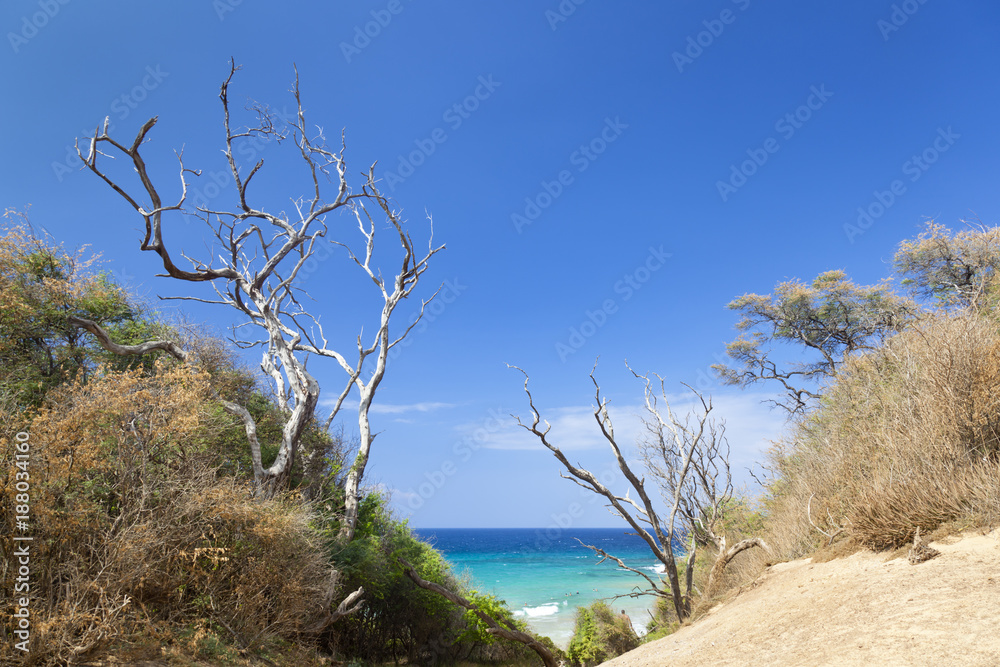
pixel 860 610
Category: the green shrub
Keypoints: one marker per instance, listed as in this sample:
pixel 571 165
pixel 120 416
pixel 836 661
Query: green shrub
pixel 400 620
pixel 599 635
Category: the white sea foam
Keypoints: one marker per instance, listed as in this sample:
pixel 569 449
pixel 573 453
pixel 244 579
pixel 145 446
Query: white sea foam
pixel 543 610
pixel 659 568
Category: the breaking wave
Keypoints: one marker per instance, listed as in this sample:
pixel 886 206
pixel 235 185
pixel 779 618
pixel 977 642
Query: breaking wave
pixel 543 610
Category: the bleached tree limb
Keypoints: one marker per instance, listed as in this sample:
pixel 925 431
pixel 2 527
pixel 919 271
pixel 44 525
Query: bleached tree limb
pixel 830 536
pixel 653 585
pixel 104 339
pixel 660 537
pixel 349 605
pixel 726 555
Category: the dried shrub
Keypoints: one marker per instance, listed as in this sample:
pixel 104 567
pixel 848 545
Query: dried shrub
pixel 907 436
pixel 135 534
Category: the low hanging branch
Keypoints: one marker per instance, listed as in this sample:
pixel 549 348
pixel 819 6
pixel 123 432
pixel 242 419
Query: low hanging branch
pixel 726 555
pixel 183 356
pixel 654 587
pixel 349 605
pixel 494 628
pixel 104 339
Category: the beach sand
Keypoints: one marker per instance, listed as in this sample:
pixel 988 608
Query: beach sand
pixel 865 609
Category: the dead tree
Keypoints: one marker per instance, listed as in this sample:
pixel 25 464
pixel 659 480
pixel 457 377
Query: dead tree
pixel 494 627
pixel 689 459
pixel 255 259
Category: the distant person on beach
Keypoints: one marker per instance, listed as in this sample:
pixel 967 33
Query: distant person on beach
pixel 629 620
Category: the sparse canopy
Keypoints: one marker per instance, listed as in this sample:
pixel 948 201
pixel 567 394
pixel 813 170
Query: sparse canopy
pixel 953 269
pixel 832 317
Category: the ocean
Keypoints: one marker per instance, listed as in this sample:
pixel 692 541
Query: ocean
pixel 544 574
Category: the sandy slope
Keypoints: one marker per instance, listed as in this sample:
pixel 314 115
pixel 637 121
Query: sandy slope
pixel 859 610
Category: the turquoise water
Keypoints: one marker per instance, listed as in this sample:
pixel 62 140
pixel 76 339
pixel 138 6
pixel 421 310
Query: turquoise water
pixel 544 574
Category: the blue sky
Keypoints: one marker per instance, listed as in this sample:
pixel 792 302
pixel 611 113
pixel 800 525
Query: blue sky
pixel 618 170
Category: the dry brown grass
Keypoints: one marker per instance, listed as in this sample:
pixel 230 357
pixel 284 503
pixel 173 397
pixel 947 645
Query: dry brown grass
pixel 906 437
pixel 135 537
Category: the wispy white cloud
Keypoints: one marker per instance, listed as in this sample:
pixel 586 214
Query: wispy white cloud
pixel 401 497
pixel 573 428
pixel 750 426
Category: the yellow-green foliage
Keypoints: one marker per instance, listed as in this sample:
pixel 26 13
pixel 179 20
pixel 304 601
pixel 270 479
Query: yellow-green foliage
pixel 40 285
pixel 599 635
pixel 832 317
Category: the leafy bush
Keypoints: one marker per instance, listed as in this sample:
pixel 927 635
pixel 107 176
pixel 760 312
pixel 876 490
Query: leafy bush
pixel 599 635
pixel 40 286
pixel 400 620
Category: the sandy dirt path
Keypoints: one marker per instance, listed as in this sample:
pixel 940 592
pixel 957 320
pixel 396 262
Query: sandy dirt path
pixel 859 610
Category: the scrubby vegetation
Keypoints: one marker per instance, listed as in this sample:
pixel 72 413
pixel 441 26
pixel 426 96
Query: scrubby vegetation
pixel 894 410
pixel 905 434
pixel 149 541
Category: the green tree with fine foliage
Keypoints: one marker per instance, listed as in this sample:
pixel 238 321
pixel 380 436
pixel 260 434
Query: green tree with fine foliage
pixel 41 286
pixel 832 317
